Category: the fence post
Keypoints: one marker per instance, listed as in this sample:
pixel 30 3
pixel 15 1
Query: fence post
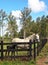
pixel 34 50
pixel 1 50
pixel 30 49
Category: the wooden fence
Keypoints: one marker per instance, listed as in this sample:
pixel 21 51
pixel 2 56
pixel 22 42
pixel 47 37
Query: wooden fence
pixel 32 51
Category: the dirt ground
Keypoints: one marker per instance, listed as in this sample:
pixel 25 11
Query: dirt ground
pixel 42 61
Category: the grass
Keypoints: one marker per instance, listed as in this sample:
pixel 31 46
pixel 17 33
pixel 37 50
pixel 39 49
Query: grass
pixel 44 52
pixel 17 62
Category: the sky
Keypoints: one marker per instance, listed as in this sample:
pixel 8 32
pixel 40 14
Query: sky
pixel 38 7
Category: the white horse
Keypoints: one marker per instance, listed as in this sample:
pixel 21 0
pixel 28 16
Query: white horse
pixel 31 37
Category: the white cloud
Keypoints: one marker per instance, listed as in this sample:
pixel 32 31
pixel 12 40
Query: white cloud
pixel 16 13
pixel 37 5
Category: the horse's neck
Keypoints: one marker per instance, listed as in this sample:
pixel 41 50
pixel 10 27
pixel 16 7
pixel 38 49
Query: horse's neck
pixel 31 37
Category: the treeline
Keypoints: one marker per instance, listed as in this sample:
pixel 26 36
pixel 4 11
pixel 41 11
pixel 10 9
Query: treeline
pixel 29 26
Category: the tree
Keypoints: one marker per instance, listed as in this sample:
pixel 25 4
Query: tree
pixel 34 27
pixel 47 26
pixel 38 25
pixel 0 29
pixel 2 19
pixel 27 28
pixel 25 15
pixel 12 26
pixel 20 34
pixel 43 27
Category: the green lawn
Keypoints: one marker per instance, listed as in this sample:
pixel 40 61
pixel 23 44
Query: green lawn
pixel 17 62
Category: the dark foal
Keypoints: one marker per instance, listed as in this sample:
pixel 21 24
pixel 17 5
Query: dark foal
pixel 11 49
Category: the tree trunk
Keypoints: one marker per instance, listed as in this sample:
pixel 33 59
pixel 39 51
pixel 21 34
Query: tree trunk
pixel 24 34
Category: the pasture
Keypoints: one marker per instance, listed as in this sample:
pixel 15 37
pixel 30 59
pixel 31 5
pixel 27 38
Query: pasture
pixel 17 62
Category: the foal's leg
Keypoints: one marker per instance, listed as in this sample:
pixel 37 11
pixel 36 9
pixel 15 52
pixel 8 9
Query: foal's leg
pixel 11 54
pixel 6 53
pixel 16 50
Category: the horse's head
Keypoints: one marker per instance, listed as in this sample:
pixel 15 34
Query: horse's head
pixel 37 38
